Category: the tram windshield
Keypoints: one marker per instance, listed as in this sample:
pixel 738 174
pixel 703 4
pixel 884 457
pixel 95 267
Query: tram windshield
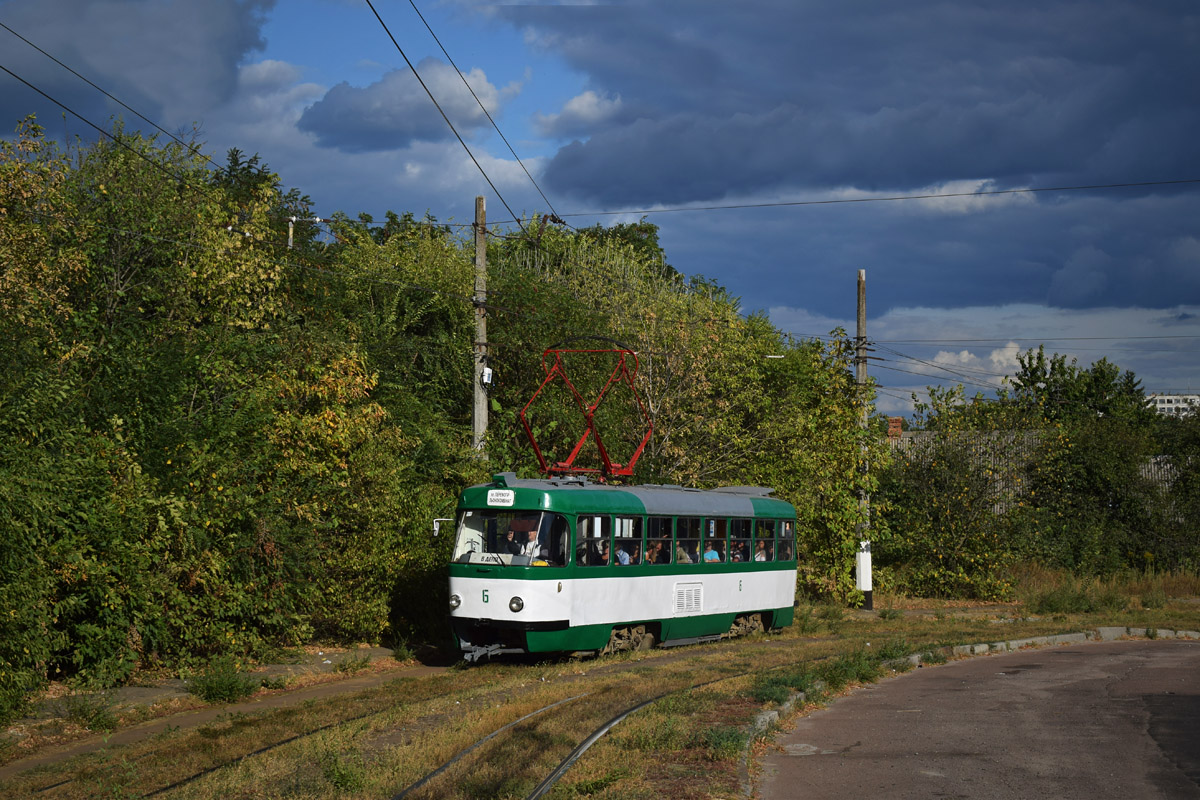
pixel 511 538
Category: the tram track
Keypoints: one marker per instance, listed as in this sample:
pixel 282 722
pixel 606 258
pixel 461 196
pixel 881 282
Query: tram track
pixel 563 766
pixel 386 706
pixel 545 741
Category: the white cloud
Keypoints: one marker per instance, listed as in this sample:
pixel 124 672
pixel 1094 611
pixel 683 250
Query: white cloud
pixel 961 358
pixel 1004 359
pixel 977 346
pixel 580 114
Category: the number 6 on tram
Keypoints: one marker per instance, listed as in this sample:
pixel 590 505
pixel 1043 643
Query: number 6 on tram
pixel 565 565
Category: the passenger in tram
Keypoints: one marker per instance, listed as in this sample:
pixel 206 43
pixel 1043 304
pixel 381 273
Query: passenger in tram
pixel 681 555
pixel 604 554
pixel 760 551
pixel 657 554
pixel 710 553
pixel 623 557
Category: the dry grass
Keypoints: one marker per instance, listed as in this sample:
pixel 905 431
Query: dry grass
pixel 1033 579
pixel 375 743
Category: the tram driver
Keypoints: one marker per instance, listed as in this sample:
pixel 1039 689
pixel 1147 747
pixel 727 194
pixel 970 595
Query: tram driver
pixel 532 548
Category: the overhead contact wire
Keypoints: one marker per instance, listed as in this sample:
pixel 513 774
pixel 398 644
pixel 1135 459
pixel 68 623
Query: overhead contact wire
pixel 438 106
pixel 483 108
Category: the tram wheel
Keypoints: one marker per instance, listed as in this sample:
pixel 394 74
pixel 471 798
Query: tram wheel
pixel 620 639
pixel 643 639
pixel 623 639
pixel 746 624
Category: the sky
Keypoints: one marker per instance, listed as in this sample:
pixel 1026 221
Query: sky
pixel 769 141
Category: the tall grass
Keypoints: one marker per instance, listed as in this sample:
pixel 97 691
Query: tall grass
pixel 1049 591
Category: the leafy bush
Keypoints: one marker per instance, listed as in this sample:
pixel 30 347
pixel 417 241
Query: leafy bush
pixel 222 682
pixel 92 710
pixel 893 649
pixel 859 666
pixel 777 686
pixel 944 537
pixel 344 772
pixel 933 657
pixel 1077 597
pixel 804 621
pixel 1154 599
pixel 724 742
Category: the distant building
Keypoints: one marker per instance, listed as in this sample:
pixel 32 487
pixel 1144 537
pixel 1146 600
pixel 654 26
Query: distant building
pixel 1174 404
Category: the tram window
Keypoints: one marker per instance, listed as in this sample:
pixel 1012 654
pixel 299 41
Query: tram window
pixel 739 540
pixel 687 540
pixel 787 540
pixel 764 540
pixel 519 538
pixel 554 532
pixel 658 540
pixel 714 540
pixel 593 534
pixel 627 540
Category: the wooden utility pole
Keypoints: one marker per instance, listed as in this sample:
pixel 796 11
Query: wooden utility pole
pixel 480 415
pixel 863 559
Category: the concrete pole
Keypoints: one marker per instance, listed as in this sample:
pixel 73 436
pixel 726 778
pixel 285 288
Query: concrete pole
pixel 863 558
pixel 480 415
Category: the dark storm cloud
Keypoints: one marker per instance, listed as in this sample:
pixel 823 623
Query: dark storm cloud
pixel 778 96
pixel 171 60
pixel 395 111
pixel 778 100
pixel 1096 251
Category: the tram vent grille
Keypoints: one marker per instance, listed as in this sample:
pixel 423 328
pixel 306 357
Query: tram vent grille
pixel 689 597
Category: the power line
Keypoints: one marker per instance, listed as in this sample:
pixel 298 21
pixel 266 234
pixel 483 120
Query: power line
pixel 1033 339
pixel 953 369
pixel 417 75
pixel 939 377
pixel 482 108
pixel 103 132
pixel 192 148
pixel 894 198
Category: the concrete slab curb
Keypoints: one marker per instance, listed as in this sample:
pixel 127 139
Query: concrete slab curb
pixel 764 720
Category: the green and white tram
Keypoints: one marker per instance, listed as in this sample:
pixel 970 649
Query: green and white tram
pixel 563 565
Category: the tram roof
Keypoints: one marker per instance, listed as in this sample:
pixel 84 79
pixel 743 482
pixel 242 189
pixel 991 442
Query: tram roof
pixel 583 496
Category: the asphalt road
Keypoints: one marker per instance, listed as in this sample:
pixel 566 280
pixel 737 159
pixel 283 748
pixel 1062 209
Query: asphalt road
pixel 1118 719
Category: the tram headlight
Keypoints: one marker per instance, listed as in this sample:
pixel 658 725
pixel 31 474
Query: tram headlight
pixel 516 604
pixel 455 601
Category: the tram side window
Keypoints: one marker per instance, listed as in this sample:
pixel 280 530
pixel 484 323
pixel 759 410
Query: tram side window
pixel 787 540
pixel 554 532
pixel 687 540
pixel 715 531
pixel 658 540
pixel 739 540
pixel 627 540
pixel 764 540
pixel 592 536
